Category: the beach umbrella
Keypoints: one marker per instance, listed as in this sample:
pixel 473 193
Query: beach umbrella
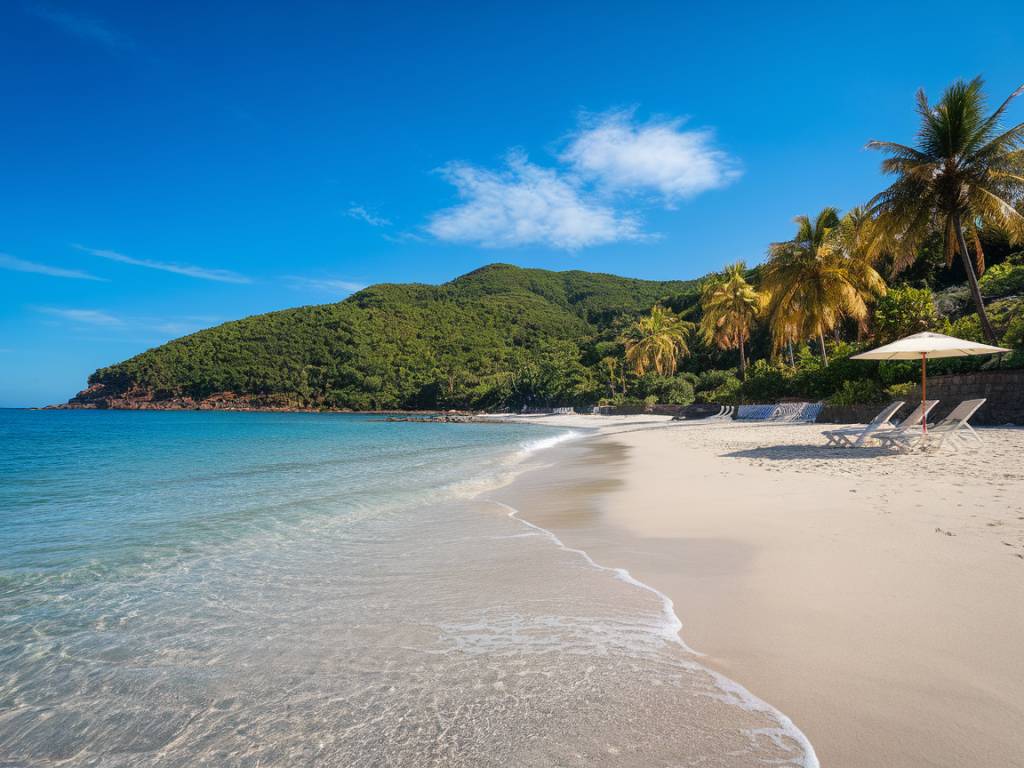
pixel 923 346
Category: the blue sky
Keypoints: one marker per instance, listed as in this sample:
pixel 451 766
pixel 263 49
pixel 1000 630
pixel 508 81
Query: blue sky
pixel 165 167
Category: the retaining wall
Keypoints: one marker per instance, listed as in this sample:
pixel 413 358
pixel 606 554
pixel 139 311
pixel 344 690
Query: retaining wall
pixel 1003 390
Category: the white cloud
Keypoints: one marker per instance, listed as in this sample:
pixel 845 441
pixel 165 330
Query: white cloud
pixel 166 328
pixel 84 27
pixel 82 316
pixel 621 155
pixel 324 284
pixel 360 213
pixel 524 205
pixel 201 273
pixel 175 327
pixel 20 265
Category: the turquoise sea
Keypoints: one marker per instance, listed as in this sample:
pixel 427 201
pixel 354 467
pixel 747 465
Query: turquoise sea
pixel 257 589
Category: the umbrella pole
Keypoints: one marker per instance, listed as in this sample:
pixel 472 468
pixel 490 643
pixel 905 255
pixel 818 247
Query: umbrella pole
pixel 924 382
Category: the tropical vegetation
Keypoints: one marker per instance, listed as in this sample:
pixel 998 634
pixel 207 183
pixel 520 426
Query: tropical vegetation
pixel 730 307
pixel 963 177
pixel 503 337
pixel 818 279
pixel 656 342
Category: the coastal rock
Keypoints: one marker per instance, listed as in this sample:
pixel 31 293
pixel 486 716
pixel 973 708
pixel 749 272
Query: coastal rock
pixel 103 397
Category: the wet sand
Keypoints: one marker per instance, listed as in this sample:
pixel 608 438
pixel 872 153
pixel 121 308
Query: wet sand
pixel 876 599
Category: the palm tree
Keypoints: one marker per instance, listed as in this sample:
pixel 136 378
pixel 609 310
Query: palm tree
pixel 656 342
pixel 859 239
pixel 611 368
pixel 817 279
pixel 964 174
pixel 730 305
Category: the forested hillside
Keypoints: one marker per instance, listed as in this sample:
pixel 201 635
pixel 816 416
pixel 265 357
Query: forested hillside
pixel 500 336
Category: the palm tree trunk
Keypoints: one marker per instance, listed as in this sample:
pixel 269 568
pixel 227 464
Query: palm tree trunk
pixel 821 340
pixel 789 349
pixel 972 281
pixel 743 362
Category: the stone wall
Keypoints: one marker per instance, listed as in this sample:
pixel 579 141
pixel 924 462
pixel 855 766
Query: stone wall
pixel 659 409
pixel 1003 390
pixel 856 414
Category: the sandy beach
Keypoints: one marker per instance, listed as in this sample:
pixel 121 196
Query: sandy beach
pixel 873 598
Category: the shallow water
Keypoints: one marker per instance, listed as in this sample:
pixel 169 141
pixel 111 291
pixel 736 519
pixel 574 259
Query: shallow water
pixel 247 589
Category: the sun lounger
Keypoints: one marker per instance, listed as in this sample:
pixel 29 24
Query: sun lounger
pixel 854 437
pixel 950 431
pixel 909 426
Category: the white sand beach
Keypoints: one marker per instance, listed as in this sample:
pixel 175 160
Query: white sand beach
pixel 873 597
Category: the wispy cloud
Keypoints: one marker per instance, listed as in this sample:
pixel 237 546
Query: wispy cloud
pixel 578 202
pixel 403 237
pixel 81 26
pixel 201 273
pixel 82 316
pixel 329 285
pixel 164 328
pixel 20 265
pixel 621 155
pixel 526 204
pixel 360 213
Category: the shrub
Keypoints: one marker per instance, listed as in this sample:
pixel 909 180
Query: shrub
pixel 680 393
pixel 674 390
pixel 767 382
pixel 815 380
pixel 1002 280
pixel 967 327
pixel 1014 336
pixel 903 311
pixel 727 394
pixel 900 390
pixel 713 379
pixel 892 372
pixel 863 391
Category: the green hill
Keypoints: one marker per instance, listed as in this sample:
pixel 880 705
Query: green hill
pixel 500 336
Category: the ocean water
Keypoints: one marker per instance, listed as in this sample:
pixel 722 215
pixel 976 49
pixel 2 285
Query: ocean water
pixel 249 589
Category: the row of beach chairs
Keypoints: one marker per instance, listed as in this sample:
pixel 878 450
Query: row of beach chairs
pixel 789 412
pixel 908 434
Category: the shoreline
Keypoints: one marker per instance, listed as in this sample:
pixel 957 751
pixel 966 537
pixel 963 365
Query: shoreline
pixel 673 633
pixel 853 592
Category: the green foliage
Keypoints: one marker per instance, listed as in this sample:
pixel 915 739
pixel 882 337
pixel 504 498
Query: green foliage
pixel 673 390
pixel 730 307
pixel 713 379
pixel 1014 336
pixel 498 337
pixel 895 372
pixel 903 311
pixel 821 277
pixel 962 177
pixel 966 327
pixel 728 393
pixel 767 382
pixel 657 341
pixel 1002 280
pixel 504 337
pixel 857 392
pixel 904 390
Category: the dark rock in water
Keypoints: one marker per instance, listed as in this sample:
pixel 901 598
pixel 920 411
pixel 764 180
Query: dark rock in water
pixel 441 418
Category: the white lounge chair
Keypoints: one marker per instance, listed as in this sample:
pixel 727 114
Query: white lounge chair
pixel 909 426
pixel 854 437
pixel 950 431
